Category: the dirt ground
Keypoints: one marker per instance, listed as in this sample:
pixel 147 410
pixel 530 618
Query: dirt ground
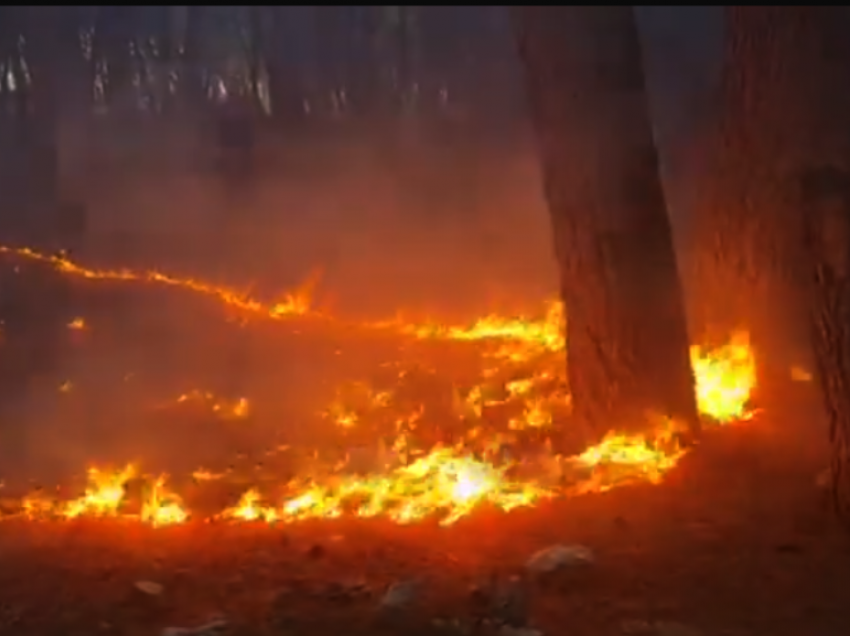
pixel 738 540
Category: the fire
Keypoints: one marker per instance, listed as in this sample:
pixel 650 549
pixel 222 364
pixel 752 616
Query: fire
pixel 296 303
pixel 106 495
pixel 103 496
pixel 725 379
pixel 519 394
pixel 161 507
pixel 443 483
pixel 236 409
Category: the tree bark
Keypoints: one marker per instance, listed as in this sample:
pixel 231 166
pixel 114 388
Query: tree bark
pixel 792 131
pixel 627 342
pixel 746 230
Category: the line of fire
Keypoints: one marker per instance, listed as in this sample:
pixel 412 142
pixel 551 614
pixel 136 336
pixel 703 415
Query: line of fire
pixel 465 320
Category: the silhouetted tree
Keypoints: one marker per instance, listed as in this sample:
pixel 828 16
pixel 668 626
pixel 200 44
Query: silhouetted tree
pixel 627 342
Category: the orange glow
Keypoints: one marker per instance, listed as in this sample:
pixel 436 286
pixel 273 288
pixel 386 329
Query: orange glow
pixel 522 380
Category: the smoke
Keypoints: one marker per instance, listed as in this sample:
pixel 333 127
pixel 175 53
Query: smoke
pixel 446 229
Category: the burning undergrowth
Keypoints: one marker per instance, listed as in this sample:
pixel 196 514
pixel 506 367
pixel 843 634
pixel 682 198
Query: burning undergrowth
pixel 415 440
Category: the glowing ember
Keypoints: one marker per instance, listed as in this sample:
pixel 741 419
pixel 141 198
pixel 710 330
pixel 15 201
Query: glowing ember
pixel 521 389
pixel 227 409
pixel 296 303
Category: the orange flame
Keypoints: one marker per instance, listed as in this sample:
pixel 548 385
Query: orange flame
pixel 524 372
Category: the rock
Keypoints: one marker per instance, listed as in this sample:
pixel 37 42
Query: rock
pixel 558 557
pixel 149 587
pixel 400 594
pixel 207 629
pixel 348 590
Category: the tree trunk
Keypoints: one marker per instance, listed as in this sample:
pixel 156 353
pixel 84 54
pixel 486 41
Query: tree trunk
pixel 746 230
pixel 41 152
pixel 193 86
pixel 793 138
pixel 111 50
pixel 281 93
pixel 627 342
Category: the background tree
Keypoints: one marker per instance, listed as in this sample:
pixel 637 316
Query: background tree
pixel 626 330
pixel 744 239
pixel 789 145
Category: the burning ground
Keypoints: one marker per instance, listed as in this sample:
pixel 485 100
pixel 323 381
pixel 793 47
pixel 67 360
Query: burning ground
pixel 415 421
pixel 457 418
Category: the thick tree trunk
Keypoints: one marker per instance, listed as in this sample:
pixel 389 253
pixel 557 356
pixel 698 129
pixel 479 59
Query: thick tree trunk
pixel 627 342
pixel 746 230
pixel 794 134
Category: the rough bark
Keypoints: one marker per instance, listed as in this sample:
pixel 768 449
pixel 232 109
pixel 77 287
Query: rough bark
pixel 745 230
pixel 627 342
pixel 781 210
pixel 795 97
pixel 825 201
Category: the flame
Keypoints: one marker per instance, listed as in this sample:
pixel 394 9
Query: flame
pixel 237 409
pixel 106 496
pixel 296 303
pixel 162 507
pixel 725 379
pixel 521 390
pixel 103 495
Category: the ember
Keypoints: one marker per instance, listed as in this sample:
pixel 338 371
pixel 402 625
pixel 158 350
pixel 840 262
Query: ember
pixel 521 388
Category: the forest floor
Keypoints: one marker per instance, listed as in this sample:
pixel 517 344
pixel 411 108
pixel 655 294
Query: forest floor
pixel 738 540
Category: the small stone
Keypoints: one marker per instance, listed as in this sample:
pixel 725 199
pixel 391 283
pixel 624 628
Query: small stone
pixel 150 588
pixel 557 557
pixel 400 594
